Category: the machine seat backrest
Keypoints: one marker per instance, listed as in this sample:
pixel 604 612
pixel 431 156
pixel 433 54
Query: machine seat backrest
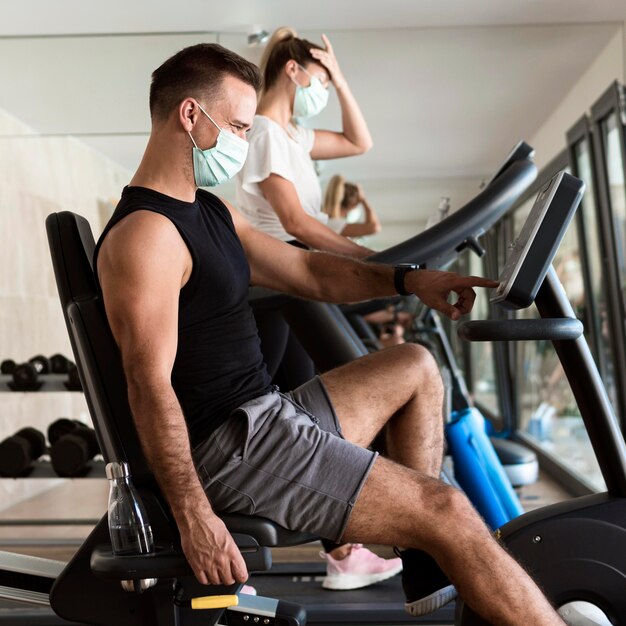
pixel 100 368
pixel 97 356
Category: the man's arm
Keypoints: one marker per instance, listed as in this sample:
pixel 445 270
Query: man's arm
pixel 332 278
pixel 142 266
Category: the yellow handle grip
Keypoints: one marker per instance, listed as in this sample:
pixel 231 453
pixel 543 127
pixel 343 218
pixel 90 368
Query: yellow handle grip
pixel 214 602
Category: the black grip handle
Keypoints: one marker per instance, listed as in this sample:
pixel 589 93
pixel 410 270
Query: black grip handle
pixel 555 329
pixel 474 245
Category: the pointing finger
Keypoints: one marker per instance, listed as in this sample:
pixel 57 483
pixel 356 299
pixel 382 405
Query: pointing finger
pixel 478 281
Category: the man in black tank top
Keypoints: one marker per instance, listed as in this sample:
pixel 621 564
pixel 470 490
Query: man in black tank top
pixel 173 266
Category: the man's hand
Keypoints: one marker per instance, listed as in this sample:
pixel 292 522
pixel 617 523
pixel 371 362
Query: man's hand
pixel 433 288
pixel 211 551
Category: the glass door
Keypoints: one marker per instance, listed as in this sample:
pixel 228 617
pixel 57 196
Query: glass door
pixel 594 311
pixel 612 138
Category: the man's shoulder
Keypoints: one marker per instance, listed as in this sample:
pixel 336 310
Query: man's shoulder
pixel 142 227
pixel 143 243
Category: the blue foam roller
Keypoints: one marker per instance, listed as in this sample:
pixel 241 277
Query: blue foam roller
pixel 478 469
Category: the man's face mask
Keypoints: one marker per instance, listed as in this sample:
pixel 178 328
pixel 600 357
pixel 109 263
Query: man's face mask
pixel 311 100
pixel 220 163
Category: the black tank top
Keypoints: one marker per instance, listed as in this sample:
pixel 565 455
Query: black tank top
pixel 218 363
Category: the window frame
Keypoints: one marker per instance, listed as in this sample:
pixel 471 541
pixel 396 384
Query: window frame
pixel 612 101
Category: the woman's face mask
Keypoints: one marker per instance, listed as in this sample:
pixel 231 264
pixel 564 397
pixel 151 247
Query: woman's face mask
pixel 220 163
pixel 311 100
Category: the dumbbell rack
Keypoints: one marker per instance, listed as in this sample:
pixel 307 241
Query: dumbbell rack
pixel 52 400
pixel 49 382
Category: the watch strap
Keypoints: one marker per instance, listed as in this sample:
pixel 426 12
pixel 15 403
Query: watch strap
pixel 399 274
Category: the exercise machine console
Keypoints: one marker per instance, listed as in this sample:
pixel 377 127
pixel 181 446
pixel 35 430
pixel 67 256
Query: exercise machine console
pixel 533 251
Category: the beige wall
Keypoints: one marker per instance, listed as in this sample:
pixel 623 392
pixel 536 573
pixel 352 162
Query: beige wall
pixel 609 65
pixel 39 176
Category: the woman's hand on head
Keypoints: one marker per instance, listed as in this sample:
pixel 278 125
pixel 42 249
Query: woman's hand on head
pixel 328 59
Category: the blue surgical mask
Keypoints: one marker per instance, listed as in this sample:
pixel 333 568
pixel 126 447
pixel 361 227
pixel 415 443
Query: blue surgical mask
pixel 220 163
pixel 311 100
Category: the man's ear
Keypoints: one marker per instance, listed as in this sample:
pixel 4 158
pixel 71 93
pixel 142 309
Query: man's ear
pixel 188 113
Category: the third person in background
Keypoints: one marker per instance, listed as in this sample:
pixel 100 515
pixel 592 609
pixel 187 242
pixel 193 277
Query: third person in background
pixel 340 199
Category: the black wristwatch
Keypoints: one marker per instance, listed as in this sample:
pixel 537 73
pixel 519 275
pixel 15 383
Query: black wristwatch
pixel 399 272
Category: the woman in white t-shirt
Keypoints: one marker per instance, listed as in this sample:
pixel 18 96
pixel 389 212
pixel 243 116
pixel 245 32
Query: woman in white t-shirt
pixel 277 188
pixel 279 192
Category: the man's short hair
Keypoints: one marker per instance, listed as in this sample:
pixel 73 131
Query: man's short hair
pixel 197 72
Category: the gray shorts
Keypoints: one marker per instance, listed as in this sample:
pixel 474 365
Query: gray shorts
pixel 282 456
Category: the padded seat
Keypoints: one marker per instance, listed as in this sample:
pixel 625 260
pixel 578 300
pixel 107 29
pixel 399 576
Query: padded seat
pixel 266 532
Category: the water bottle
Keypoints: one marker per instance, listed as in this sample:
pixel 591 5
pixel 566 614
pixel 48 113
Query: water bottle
pixel 129 526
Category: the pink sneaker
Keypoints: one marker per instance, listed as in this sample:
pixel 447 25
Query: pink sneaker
pixel 248 590
pixel 360 568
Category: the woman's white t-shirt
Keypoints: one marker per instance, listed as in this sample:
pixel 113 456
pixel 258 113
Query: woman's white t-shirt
pixel 273 150
pixel 337 224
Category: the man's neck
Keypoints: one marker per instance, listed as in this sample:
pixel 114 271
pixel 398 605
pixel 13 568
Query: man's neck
pixel 160 173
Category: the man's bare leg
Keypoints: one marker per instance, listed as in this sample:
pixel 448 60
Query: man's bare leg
pixel 398 389
pixel 401 388
pixel 399 506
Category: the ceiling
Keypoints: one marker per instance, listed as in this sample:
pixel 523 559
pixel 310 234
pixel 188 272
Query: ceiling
pixel 114 16
pixel 446 91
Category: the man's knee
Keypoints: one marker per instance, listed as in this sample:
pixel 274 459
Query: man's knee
pixel 443 506
pixel 422 364
pixel 445 499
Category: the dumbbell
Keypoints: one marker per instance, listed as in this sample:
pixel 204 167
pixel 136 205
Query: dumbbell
pixel 7 366
pixel 25 377
pixel 73 445
pixel 73 380
pixel 41 363
pixel 18 452
pixel 60 364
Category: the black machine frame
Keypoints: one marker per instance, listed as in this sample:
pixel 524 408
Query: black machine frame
pixel 574 548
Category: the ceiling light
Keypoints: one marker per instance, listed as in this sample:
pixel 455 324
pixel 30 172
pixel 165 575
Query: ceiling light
pixel 258 37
